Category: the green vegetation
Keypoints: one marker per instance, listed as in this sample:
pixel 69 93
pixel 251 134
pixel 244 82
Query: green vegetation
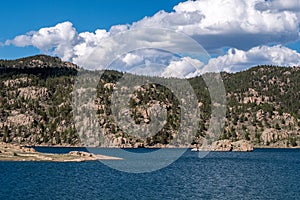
pixel 263 105
pixel 35 102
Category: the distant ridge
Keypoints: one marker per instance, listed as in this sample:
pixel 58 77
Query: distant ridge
pixel 42 66
pixel 37 61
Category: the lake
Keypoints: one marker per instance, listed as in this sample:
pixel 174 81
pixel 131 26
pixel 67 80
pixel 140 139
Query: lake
pixel 261 174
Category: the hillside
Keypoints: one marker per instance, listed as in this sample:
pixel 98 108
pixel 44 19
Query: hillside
pixel 263 105
pixel 35 102
pixel 35 105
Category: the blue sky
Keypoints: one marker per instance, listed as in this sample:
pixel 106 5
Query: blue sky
pixel 238 34
pixel 19 16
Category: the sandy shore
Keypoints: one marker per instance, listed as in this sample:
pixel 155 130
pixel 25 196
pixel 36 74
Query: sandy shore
pixel 10 152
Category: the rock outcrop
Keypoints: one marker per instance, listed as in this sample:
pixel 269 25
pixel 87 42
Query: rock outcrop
pixel 242 145
pixel 227 145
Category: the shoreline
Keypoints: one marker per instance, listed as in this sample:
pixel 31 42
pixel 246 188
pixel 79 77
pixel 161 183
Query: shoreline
pixel 190 147
pixel 12 152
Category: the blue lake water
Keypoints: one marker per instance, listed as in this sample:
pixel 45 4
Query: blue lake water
pixel 262 174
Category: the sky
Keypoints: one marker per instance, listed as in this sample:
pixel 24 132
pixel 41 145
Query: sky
pixel 236 34
pixel 21 16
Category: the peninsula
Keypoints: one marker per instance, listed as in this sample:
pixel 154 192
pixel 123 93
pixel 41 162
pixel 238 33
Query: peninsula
pixel 11 152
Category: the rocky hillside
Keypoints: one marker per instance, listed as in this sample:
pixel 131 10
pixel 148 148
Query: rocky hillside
pixel 35 101
pixel 35 105
pixel 263 106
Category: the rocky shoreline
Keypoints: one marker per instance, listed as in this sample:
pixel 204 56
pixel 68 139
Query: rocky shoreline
pixel 161 146
pixel 12 152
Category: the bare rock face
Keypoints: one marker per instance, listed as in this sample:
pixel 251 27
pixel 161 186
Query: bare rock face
pixel 20 119
pixel 242 145
pixel 222 145
pixel 33 92
pixel 118 141
pixel 272 134
pixel 138 145
pixel 227 145
pixel 16 82
pixel 254 97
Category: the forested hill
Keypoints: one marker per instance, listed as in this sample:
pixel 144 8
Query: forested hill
pixel 263 105
pixel 38 61
pixel 35 101
pixel 40 65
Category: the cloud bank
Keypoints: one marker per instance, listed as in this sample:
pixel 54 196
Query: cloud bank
pixel 242 24
pixel 255 31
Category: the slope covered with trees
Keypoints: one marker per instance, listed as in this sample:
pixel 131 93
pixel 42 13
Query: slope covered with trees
pixel 263 105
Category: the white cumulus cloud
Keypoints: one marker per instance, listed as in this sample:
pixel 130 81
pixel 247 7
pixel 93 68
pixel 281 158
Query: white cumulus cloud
pixel 61 37
pixel 236 23
pixel 245 26
pixel 236 60
pixel 132 59
pixel 186 67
